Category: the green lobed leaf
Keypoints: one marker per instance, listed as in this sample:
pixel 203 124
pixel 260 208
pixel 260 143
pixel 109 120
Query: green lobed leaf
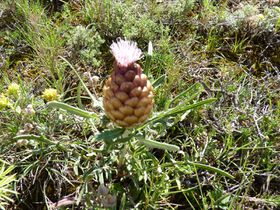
pixel 211 168
pixel 177 110
pixel 159 145
pixel 183 108
pixel 72 110
pixel 110 135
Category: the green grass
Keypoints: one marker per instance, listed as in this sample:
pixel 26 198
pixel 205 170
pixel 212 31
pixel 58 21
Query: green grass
pixel 212 141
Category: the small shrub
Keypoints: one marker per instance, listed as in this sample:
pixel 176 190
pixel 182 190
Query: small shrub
pixel 85 44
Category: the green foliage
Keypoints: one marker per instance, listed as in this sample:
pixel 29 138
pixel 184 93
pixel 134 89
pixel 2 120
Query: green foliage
pixel 43 36
pixel 144 27
pixel 85 43
pixel 180 7
pixel 129 20
pixel 5 185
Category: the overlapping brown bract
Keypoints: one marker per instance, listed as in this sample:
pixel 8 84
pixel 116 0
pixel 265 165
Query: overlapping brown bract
pixel 128 95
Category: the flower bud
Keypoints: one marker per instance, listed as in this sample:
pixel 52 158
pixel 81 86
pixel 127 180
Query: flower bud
pixel 128 94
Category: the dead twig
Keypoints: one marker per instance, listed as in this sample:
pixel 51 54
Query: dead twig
pixel 67 200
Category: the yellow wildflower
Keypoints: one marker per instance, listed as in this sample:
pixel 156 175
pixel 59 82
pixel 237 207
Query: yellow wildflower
pixel 50 94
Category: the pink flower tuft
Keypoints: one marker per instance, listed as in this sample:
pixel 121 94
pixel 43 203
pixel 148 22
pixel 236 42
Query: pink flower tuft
pixel 125 52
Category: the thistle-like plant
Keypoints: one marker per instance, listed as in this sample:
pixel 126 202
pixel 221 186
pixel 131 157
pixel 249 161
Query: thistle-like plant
pixel 128 101
pixel 128 94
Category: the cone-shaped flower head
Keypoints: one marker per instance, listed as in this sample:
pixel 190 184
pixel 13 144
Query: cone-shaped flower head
pixel 128 94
